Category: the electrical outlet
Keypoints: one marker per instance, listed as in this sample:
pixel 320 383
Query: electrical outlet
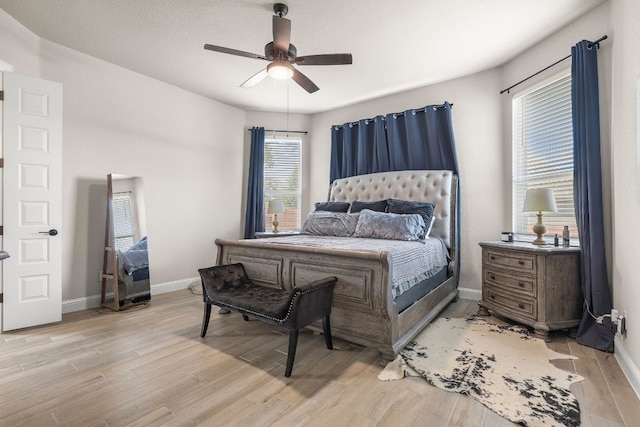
pixel 614 316
pixel 621 325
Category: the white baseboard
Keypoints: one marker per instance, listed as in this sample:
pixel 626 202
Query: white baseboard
pixel 93 301
pixel 470 294
pixel 628 367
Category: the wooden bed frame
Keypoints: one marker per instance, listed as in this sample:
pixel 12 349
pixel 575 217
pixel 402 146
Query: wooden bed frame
pixel 363 309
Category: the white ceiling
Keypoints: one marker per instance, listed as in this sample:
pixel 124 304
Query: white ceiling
pixel 396 45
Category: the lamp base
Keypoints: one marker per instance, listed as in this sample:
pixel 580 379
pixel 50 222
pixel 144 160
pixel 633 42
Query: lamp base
pixel 539 229
pixel 539 241
pixel 275 223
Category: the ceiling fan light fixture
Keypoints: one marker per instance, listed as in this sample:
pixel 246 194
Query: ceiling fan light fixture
pixel 280 70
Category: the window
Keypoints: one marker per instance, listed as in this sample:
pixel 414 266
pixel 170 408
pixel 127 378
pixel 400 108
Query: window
pixel 543 154
pixel 282 161
pixel 123 224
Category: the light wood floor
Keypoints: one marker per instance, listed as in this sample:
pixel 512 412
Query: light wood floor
pixel 148 366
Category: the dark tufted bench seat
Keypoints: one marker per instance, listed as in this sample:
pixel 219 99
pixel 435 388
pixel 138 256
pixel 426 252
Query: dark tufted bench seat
pixel 227 286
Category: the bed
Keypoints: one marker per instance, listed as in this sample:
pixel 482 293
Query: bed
pixel 367 307
pixel 134 285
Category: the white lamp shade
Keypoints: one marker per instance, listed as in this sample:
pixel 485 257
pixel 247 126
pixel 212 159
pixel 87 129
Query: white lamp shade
pixel 275 206
pixel 539 200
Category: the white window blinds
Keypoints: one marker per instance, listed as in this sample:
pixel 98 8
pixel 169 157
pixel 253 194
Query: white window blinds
pixel 122 221
pixel 543 154
pixel 282 165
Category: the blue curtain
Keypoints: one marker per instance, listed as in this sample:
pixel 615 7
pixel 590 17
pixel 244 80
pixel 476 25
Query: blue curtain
pixel 414 139
pixel 254 219
pixel 587 191
pixel 422 139
pixel 359 148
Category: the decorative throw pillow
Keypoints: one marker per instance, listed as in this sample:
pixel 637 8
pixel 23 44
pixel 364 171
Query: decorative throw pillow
pixel 378 206
pixel 325 223
pixel 425 209
pixel 332 206
pixel 379 225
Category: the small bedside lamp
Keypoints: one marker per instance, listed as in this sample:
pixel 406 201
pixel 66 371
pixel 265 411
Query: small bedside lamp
pixel 539 200
pixel 275 208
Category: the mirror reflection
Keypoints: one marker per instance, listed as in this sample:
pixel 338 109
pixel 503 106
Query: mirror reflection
pixel 126 260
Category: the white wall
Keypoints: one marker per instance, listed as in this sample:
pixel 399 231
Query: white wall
pixel 188 149
pixel 625 136
pixel 477 126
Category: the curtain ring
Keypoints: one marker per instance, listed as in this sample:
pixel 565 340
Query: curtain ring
pixel 413 112
pixel 395 116
pixel 351 125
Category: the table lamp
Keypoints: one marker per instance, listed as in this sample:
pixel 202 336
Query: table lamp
pixel 275 207
pixel 539 200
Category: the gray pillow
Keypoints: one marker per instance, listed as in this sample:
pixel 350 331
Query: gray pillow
pixel 325 223
pixel 425 209
pixel 379 225
pixel 332 206
pixel 378 206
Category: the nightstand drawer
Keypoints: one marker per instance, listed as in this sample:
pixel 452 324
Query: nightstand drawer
pixel 523 263
pixel 522 306
pixel 524 284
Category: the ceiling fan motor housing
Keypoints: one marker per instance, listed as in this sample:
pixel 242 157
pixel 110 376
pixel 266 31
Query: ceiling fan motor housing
pixel 270 52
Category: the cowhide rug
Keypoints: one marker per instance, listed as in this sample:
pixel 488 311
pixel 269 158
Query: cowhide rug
pixel 501 366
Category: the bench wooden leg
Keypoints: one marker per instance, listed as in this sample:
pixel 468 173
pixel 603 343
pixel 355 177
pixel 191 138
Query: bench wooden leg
pixel 245 317
pixel 326 329
pixel 205 319
pixel 291 354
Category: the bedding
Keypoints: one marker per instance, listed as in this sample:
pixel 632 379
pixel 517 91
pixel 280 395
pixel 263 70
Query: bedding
pixel 378 206
pixel 409 262
pixel 425 209
pixel 380 225
pixel 327 223
pixel 332 206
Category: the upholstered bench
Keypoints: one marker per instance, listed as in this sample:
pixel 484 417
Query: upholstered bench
pixel 228 286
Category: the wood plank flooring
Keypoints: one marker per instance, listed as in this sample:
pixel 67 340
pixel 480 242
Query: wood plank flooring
pixel 148 366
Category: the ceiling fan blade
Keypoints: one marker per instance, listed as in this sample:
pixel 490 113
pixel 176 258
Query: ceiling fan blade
pixel 233 51
pixel 281 33
pixel 255 79
pixel 304 81
pixel 329 59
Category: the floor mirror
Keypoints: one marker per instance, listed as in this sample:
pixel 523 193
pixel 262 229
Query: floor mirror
pixel 125 273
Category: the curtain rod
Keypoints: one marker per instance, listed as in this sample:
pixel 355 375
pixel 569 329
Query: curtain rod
pixel 435 107
pixel 590 45
pixel 284 131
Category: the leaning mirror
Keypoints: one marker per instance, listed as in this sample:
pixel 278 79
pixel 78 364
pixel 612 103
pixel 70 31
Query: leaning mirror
pixel 125 273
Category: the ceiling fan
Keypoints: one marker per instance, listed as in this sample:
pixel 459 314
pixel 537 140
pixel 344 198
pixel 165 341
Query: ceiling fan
pixel 283 55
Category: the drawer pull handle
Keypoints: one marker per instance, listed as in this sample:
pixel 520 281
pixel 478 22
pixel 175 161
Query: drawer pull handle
pixel 492 296
pixel 493 277
pixel 521 262
pixel 521 306
pixel 492 258
pixel 521 284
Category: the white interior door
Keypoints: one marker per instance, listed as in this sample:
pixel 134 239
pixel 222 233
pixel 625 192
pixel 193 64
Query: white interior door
pixel 32 193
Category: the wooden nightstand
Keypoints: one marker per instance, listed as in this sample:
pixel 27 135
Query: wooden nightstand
pixel 538 286
pixel 282 233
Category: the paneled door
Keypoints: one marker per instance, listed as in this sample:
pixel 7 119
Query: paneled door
pixel 32 193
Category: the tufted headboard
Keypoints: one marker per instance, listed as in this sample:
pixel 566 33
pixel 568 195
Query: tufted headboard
pixel 435 186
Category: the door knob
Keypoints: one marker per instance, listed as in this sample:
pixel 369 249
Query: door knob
pixel 51 232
